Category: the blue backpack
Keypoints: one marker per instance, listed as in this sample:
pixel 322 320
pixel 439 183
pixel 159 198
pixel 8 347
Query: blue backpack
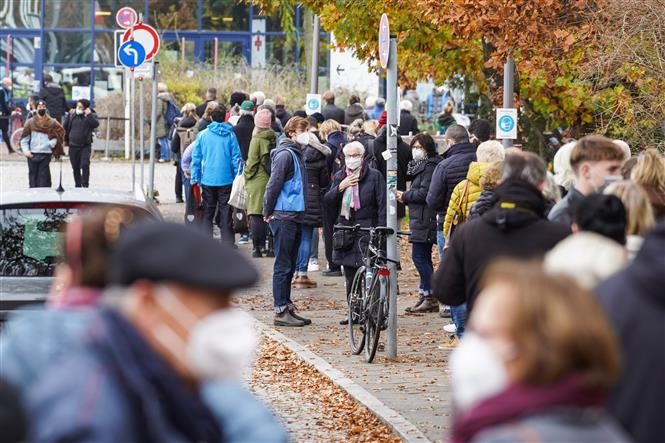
pixel 172 112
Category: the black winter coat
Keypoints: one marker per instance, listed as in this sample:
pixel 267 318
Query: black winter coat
pixel 354 112
pixel 336 142
pixel 79 128
pixel 448 174
pixel 372 212
pixel 520 232
pixel 331 111
pixel 407 123
pixel 634 301
pixel 243 131
pixel 54 97
pixel 483 204
pixel 422 220
pixel 318 179
pixel 403 158
pixel 282 115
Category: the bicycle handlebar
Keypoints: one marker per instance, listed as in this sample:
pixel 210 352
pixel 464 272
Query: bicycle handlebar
pixel 382 229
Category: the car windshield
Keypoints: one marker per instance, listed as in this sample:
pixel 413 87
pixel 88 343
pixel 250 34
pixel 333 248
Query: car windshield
pixel 31 240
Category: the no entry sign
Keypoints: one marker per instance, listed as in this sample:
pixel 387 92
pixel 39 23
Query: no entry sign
pixel 146 36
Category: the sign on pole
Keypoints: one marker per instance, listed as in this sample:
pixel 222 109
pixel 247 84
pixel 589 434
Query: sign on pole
pixel 506 123
pixel 126 17
pixel 143 71
pixel 384 41
pixel 131 54
pixel 146 36
pixel 313 103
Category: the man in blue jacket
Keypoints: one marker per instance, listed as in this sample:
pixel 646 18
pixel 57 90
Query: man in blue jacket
pixel 215 162
pixel 284 210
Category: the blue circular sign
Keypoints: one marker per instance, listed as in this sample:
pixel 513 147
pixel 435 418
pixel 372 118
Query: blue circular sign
pixel 131 54
pixel 506 123
pixel 313 103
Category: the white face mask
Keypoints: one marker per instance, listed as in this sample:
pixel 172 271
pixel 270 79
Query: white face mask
pixel 79 111
pixel 418 154
pixel 221 346
pixel 353 163
pixel 477 372
pixel 303 138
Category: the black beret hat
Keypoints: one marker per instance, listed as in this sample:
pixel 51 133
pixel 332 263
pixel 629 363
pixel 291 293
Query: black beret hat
pixel 602 214
pixel 175 253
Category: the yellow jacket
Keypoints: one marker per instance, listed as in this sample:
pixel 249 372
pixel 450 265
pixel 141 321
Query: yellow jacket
pixel 476 171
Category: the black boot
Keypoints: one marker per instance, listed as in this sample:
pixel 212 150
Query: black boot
pixel 270 252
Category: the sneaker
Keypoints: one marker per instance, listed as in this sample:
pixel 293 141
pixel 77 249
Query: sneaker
pixel 287 319
pixel 303 282
pixel 450 328
pixel 428 304
pixel 313 265
pixel 177 200
pixel 344 321
pixel 307 321
pixel 244 239
pixel 445 312
pixel 332 273
pixel 417 305
pixel 161 160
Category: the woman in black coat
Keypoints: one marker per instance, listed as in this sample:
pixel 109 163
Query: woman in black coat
pixel 369 209
pixel 315 157
pixel 422 220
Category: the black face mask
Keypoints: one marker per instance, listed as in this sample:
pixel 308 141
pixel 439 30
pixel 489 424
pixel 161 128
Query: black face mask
pixel 41 112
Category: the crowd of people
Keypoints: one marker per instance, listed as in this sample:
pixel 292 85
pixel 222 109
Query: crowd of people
pixel 552 281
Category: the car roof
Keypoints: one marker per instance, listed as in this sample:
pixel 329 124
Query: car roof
pixel 77 195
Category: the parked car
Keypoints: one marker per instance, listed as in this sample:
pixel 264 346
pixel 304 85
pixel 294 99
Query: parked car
pixel 31 230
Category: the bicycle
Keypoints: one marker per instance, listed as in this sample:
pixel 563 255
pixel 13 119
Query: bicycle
pixel 370 291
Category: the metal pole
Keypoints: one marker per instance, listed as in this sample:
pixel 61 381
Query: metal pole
pixel 316 31
pixel 127 108
pixel 391 187
pixel 508 88
pixel 214 56
pixel 132 129
pixel 153 123
pixel 108 138
pixel 182 49
pixel 141 134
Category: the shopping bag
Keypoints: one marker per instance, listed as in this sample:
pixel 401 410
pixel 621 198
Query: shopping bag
pixel 238 197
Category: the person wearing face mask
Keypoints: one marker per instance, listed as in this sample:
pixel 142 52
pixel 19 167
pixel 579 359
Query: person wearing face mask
pixel 422 221
pixel 165 355
pixel 358 195
pixel 537 363
pixel 594 160
pixel 79 125
pixel 284 210
pixel 41 139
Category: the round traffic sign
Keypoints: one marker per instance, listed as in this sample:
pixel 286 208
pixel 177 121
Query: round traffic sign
pixel 131 54
pixel 384 41
pixel 313 103
pixel 126 17
pixel 506 123
pixel 146 36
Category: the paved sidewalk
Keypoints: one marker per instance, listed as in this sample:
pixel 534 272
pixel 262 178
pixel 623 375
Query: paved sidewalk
pixel 416 385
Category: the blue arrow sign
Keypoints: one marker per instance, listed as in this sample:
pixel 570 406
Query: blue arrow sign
pixel 131 54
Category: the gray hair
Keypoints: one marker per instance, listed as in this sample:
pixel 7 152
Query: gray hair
pixel 490 151
pixel 354 145
pixel 457 133
pixel 526 166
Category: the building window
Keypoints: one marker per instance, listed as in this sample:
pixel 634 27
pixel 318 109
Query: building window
pixel 67 14
pixel 224 15
pixel 22 14
pixel 169 15
pixel 67 47
pixel 107 81
pixel 22 50
pixel 104 48
pixel 225 50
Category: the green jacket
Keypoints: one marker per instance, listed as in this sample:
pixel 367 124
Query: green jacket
pixel 160 127
pixel 256 177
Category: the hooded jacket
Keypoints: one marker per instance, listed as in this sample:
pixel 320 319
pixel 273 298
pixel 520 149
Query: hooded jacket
pixel 216 157
pixel 422 220
pixel 515 227
pixel 79 128
pixel 315 156
pixel 162 101
pixel 634 301
pixel 256 176
pixel 354 112
pixel 54 96
pixel 282 115
pixel 458 200
pixel 243 130
pixel 282 169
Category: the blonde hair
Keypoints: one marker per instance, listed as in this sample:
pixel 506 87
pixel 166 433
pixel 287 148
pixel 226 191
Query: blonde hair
pixel 492 175
pixel 638 206
pixel 328 127
pixel 370 127
pixel 558 328
pixel 563 171
pixel 449 108
pixel 189 110
pixel 161 87
pixel 650 169
pixel 211 106
pixel 490 151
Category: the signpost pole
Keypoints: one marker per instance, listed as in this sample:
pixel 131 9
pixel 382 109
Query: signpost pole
pixel 508 88
pixel 132 127
pixel 316 31
pixel 391 179
pixel 142 135
pixel 153 123
pixel 127 113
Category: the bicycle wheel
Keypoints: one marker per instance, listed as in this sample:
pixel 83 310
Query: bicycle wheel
pixel 374 315
pixel 356 312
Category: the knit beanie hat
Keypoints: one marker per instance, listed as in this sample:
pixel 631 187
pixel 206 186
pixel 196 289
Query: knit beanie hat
pixel 263 119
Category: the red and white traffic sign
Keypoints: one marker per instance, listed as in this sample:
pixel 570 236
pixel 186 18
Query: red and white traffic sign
pixel 146 36
pixel 384 41
pixel 126 17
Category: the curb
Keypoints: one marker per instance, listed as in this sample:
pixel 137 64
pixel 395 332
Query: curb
pixel 403 428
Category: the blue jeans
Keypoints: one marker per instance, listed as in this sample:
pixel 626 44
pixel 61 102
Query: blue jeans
pixel 304 250
pixel 421 253
pixel 440 241
pixel 164 148
pixel 457 313
pixel 286 243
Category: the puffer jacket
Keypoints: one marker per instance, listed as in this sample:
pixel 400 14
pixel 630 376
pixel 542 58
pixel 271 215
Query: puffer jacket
pixel 372 212
pixel 458 200
pixel 216 156
pixel 422 220
pixel 315 157
pixel 484 203
pixel 162 101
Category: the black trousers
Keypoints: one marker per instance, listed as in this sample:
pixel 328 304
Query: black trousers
pixel 217 198
pixel 79 156
pixel 258 229
pixel 349 274
pixel 178 178
pixel 39 172
pixel 4 127
pixel 329 219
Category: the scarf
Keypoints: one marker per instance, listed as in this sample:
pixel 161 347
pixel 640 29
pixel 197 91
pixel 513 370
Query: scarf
pixel 48 126
pixel 414 166
pixel 521 400
pixel 350 199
